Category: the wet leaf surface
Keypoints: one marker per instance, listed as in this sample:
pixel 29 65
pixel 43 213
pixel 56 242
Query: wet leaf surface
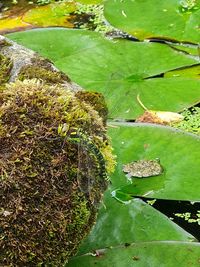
pixel 132 221
pixel 170 19
pixel 156 254
pixel 119 69
pixel 177 151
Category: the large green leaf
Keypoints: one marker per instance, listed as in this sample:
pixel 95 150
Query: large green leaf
pixel 179 154
pixel 120 223
pixel 118 69
pixel 151 254
pixel 154 18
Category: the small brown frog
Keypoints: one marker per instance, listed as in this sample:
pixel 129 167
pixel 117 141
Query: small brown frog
pixel 143 168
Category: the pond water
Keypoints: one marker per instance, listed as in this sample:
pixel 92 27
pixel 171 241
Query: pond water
pixel 170 208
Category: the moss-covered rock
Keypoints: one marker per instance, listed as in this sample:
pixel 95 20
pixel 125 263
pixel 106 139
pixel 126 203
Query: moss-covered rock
pixel 41 68
pixel 54 161
pixel 5 67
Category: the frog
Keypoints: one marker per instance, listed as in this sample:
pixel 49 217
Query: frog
pixel 143 168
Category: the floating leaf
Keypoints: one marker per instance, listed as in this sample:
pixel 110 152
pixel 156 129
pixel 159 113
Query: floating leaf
pixel 193 71
pixel 119 69
pixel 133 221
pixel 186 48
pixel 155 254
pixel 171 19
pixel 179 154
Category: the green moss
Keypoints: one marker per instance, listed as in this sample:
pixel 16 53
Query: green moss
pixel 5 67
pixel 3 43
pixel 50 186
pixel 42 69
pixel 96 100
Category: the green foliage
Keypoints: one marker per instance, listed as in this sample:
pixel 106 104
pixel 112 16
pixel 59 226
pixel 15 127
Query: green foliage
pixel 118 69
pixel 155 254
pixel 170 20
pixel 149 141
pixel 5 67
pixel 166 77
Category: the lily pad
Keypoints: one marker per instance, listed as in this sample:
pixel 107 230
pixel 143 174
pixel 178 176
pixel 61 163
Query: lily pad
pixel 155 254
pixel 193 71
pixel 189 49
pixel 128 222
pixel 171 19
pixel 179 153
pixel 119 69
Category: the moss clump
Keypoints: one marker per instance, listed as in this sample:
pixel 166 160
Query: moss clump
pixel 3 43
pixel 50 186
pixel 96 100
pixel 42 69
pixel 5 67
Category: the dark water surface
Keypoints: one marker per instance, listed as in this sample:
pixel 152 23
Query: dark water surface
pixel 171 207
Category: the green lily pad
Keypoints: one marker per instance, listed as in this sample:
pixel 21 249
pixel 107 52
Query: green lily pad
pixel 179 155
pixel 155 254
pixel 128 222
pixel 119 69
pixel 192 50
pixel 171 19
pixel 193 71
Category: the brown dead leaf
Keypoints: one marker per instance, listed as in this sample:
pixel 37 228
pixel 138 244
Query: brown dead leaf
pixel 149 117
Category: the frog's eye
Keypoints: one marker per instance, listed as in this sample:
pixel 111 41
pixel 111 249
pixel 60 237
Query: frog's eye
pixel 157 159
